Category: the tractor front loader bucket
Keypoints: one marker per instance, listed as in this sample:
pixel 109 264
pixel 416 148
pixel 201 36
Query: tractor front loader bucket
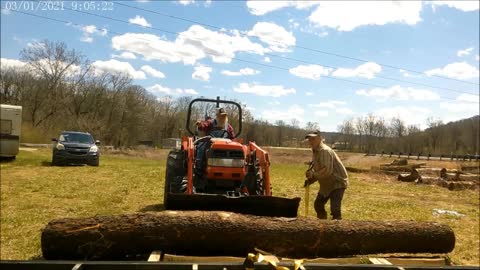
pixel 251 205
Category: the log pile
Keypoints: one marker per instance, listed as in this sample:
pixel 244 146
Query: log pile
pixel 211 233
pixel 398 165
pixel 451 180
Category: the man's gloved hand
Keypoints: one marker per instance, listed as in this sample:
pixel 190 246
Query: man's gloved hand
pixel 309 174
pixel 306 184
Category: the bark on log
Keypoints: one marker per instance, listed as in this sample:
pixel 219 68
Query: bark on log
pixel 230 234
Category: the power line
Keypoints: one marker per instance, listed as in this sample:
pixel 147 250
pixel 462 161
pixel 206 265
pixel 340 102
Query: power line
pixel 234 58
pixel 297 46
pixel 284 57
pixel 274 55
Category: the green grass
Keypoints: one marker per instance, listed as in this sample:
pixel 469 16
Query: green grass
pixel 33 193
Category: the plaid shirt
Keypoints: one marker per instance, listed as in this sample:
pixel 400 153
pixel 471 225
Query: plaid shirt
pixel 209 124
pixel 328 170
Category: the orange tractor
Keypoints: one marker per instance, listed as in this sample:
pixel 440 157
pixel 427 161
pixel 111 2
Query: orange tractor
pixel 213 172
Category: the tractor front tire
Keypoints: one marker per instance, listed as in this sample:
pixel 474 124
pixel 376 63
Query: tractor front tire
pixel 175 173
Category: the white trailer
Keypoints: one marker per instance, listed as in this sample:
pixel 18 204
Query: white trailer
pixel 10 130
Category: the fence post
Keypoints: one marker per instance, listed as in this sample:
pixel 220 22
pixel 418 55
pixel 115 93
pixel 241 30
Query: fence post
pixel 383 152
pixel 391 154
pixel 441 155
pixel 429 155
pixel 418 157
pixel 451 156
pixel 408 157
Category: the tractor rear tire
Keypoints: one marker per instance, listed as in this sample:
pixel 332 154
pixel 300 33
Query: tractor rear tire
pixel 175 180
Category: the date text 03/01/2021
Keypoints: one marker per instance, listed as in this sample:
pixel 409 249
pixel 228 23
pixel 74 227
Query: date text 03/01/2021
pixel 58 5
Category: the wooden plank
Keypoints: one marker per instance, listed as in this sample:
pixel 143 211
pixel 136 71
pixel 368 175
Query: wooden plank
pixel 201 259
pixel 348 260
pixel 419 261
pixel 155 256
pixel 379 261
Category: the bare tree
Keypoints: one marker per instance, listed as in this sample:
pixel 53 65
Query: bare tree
pixel 433 131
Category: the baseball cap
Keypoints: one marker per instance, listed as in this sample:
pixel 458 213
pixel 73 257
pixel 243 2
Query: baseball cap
pixel 221 111
pixel 314 133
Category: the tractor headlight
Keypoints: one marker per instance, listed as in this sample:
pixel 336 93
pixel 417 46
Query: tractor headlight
pixel 226 162
pixel 93 149
pixel 60 146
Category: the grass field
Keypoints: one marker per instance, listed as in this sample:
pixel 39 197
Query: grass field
pixel 33 193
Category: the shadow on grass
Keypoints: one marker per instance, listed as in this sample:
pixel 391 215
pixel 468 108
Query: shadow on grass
pixel 46 163
pixel 153 208
pixel 7 159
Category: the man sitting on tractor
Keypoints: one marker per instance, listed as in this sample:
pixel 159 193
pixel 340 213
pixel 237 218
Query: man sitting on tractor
pixel 218 127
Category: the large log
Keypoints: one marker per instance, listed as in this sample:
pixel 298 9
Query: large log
pixel 230 234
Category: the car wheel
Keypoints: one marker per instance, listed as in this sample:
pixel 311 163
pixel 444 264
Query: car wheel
pixel 55 161
pixel 95 163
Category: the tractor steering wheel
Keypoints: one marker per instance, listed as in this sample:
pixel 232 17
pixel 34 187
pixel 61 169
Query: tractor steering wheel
pixel 213 133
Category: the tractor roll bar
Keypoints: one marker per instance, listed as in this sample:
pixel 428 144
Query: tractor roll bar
pixel 217 102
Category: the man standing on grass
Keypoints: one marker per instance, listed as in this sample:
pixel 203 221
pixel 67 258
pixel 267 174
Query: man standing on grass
pixel 328 170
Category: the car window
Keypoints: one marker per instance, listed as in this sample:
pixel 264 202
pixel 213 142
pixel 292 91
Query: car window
pixel 76 137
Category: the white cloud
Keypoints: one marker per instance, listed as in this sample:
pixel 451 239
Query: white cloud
pixel 263 7
pixel 309 93
pixel 348 15
pixel 159 89
pixel 466 103
pixel 116 66
pixel 477 57
pixel 89 31
pixel 465 52
pixel 186 2
pixel 331 104
pixel 264 90
pixel 345 111
pixel 399 93
pixel 274 35
pixel 86 39
pixel 125 55
pixel 321 113
pixel 408 75
pixel 6 63
pixel 367 70
pixel 461 5
pixel 458 70
pixel 293 112
pixel 267 59
pixel 139 20
pixel 243 71
pixel 313 72
pixel 202 73
pixel 190 46
pixel 152 72
pixel 411 115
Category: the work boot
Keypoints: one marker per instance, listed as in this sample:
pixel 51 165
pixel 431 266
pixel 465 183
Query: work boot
pixel 322 215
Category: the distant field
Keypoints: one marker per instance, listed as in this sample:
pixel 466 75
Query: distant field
pixel 33 193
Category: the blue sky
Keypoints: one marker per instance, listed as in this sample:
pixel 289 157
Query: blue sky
pixel 242 53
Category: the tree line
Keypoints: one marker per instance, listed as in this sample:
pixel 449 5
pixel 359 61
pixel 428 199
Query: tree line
pixel 60 90
pixel 373 134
